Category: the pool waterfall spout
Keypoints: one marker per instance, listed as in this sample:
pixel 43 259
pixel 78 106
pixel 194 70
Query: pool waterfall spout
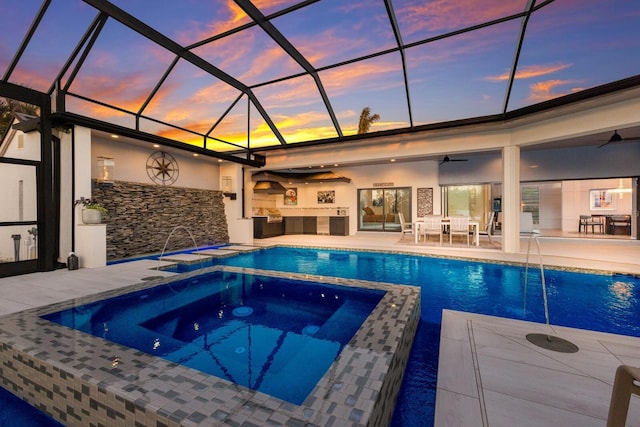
pixel 164 248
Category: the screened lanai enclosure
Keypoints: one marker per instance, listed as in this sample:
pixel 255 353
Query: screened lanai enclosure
pixel 236 79
pixel 235 76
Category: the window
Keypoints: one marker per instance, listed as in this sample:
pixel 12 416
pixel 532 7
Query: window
pixel 530 196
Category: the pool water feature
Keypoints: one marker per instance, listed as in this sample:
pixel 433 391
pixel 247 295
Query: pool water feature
pixel 271 334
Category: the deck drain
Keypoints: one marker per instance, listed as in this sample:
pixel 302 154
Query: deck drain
pixel 552 343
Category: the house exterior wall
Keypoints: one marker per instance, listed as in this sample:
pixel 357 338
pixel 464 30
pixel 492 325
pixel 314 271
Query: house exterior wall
pixel 131 164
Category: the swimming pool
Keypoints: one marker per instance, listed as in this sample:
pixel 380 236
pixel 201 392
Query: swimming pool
pixel 271 334
pixel 607 303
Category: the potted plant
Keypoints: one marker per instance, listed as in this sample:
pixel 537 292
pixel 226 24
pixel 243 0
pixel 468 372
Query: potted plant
pixel 92 211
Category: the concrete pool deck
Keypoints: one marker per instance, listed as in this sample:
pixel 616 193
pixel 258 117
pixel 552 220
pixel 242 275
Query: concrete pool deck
pixel 532 402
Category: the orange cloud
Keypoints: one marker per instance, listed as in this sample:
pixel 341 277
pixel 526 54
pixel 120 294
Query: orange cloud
pixel 441 16
pixel 293 93
pixel 34 79
pixel 250 56
pixel 531 72
pixel 363 74
pixel 543 91
pixel 271 5
pixel 126 92
pixel 226 19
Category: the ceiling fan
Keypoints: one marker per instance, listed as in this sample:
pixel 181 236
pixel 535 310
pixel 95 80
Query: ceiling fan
pixel 617 138
pixel 447 159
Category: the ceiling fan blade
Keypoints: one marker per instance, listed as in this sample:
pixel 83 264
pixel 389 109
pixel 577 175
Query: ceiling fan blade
pixel 447 159
pixel 614 138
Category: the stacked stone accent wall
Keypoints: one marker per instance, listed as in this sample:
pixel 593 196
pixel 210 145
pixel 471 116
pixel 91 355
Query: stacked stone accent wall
pixel 141 217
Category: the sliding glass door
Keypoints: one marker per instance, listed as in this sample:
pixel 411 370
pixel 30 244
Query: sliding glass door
pixel 379 208
pixel 473 201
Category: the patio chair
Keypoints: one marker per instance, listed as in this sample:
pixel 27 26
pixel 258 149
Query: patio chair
pixel 624 385
pixel 405 227
pixel 459 226
pixel 620 222
pixel 587 221
pixel 488 228
pixel 431 226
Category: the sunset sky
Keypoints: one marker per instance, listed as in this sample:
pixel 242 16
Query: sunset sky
pixel 570 45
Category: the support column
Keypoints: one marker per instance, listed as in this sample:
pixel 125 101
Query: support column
pixel 240 228
pixel 511 199
pixel 90 240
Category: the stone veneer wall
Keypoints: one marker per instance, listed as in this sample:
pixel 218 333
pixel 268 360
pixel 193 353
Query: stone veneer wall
pixel 141 217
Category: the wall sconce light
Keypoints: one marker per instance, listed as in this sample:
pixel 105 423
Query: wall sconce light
pixel 227 187
pixel 105 171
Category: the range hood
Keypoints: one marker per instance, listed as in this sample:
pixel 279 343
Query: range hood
pixel 269 187
pixel 320 176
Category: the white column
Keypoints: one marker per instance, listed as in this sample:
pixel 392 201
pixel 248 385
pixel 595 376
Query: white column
pixel 90 240
pixel 240 229
pixel 511 199
pixel 91 245
pixel 66 200
pixel 82 168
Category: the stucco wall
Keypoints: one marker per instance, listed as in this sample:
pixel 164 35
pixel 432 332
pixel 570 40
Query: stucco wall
pixel 131 164
pixel 141 217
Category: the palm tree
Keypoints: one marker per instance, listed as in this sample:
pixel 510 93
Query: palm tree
pixel 366 119
pixel 8 107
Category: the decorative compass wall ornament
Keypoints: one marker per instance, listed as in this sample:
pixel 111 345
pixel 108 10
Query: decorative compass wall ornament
pixel 162 168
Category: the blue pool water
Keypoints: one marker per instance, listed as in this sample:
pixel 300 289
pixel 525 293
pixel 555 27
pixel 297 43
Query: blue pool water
pixel 586 301
pixel 15 412
pixel 594 302
pixel 275 335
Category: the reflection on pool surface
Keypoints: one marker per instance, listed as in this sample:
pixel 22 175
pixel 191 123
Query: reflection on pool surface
pixel 275 335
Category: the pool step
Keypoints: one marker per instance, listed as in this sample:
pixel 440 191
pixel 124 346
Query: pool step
pixel 186 258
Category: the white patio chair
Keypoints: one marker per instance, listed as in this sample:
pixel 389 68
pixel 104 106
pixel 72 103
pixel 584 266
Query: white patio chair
pixel 405 227
pixel 488 228
pixel 431 226
pixel 459 226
